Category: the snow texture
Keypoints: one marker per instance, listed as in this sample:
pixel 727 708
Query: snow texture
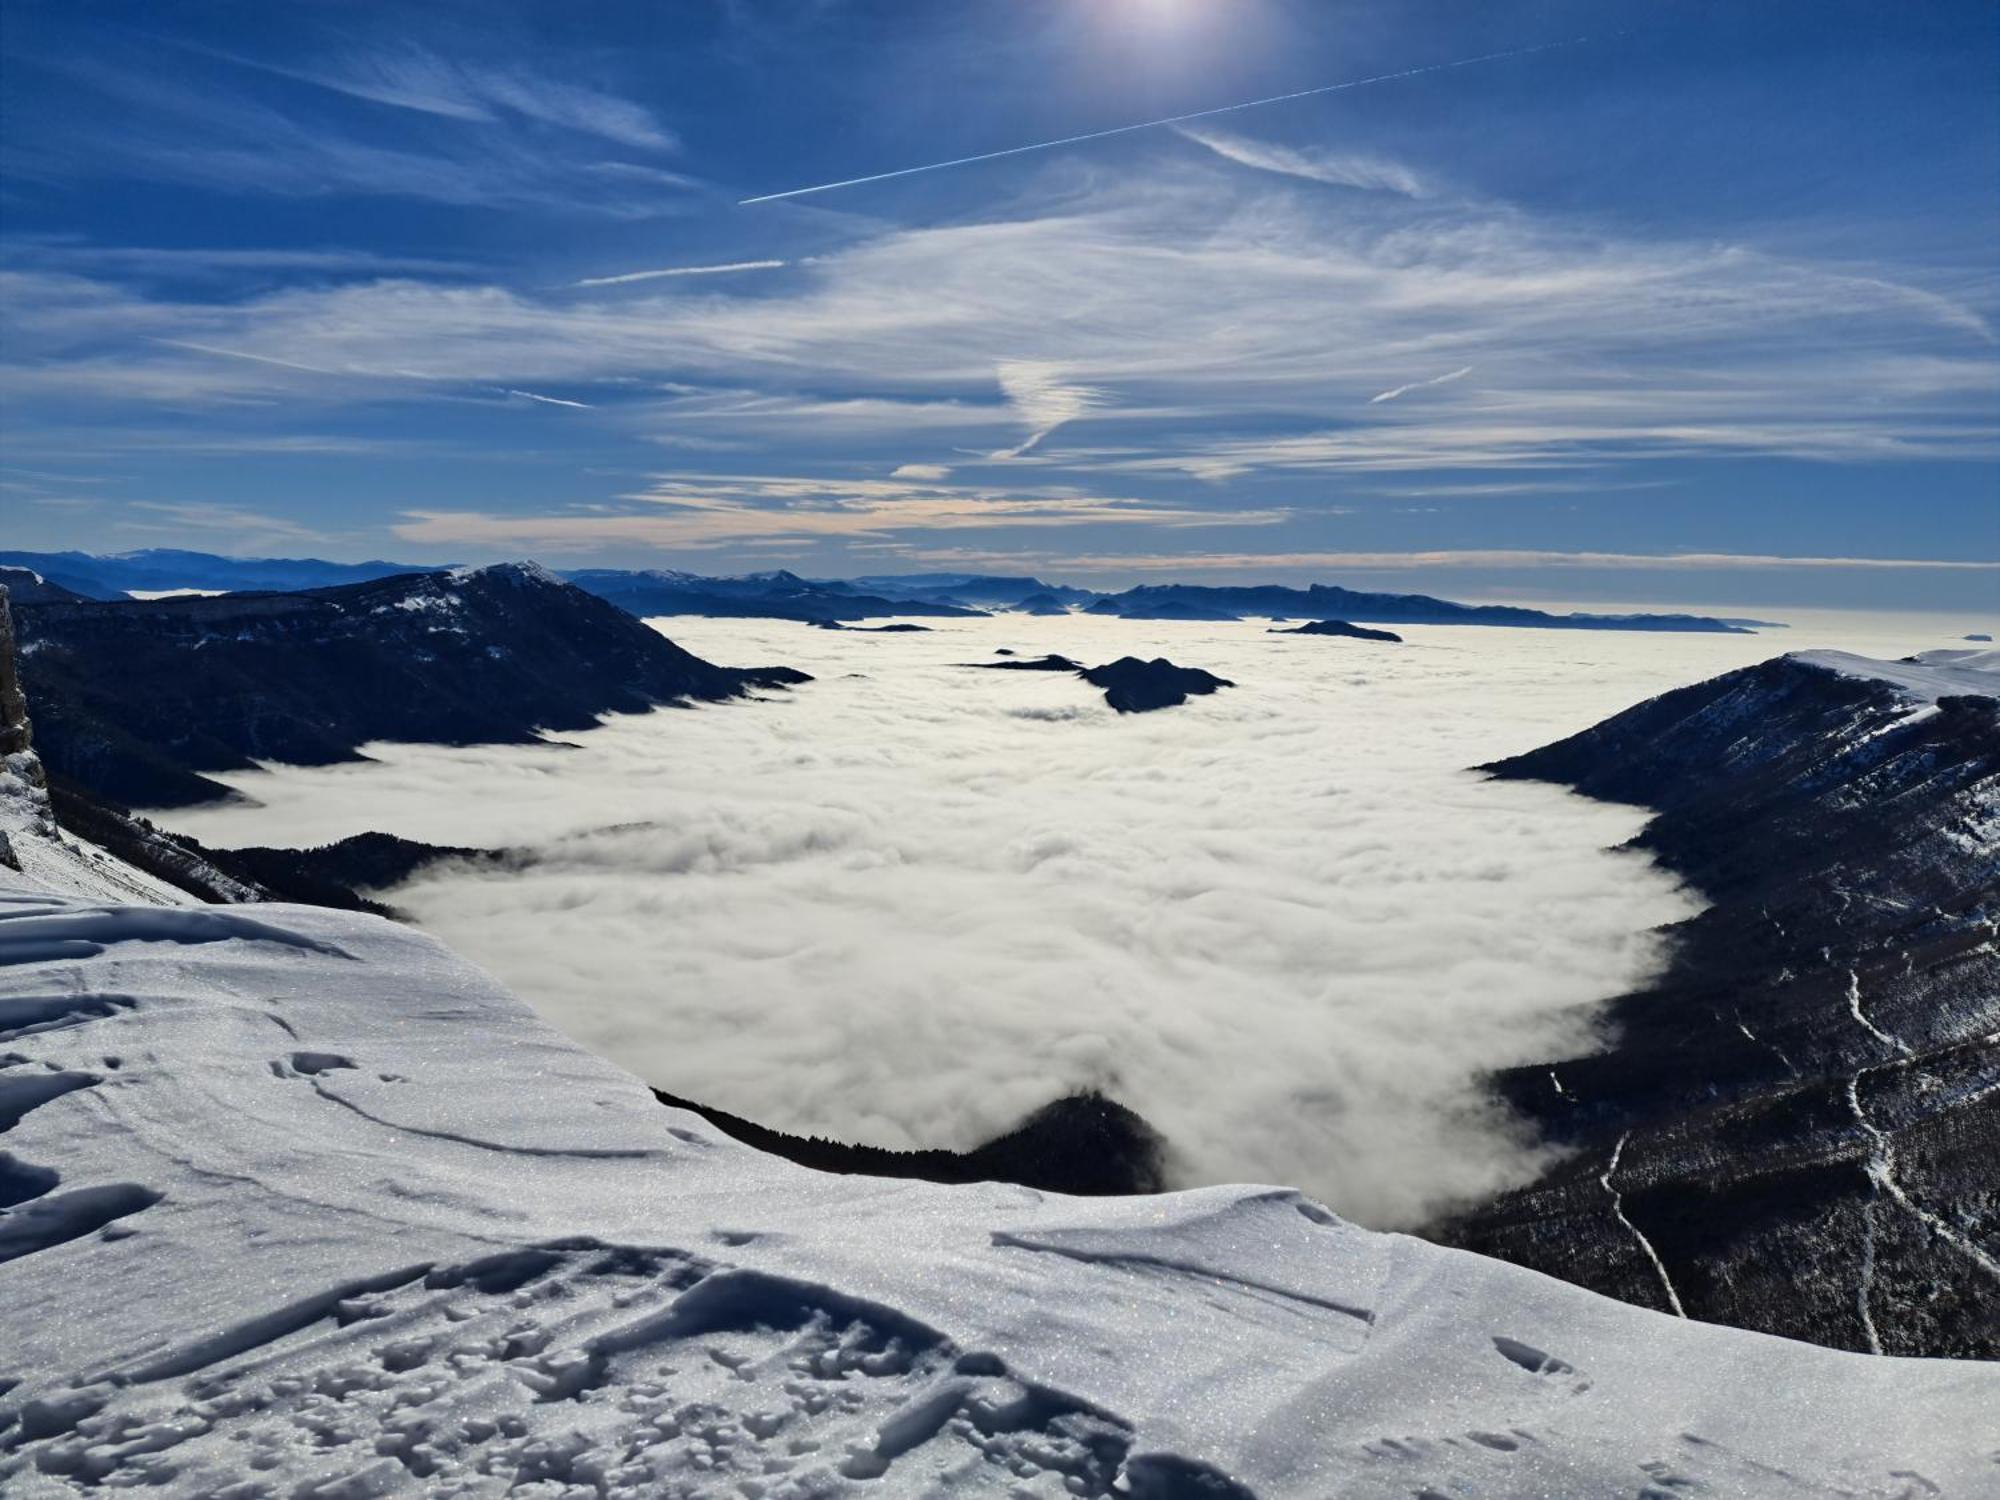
pixel 303 1205
pixel 1923 678
pixel 58 862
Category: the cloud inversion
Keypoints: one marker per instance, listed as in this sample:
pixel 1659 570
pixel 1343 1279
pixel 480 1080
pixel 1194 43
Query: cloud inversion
pixel 909 903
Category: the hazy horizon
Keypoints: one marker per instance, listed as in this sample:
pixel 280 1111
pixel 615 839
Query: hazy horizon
pixel 1980 604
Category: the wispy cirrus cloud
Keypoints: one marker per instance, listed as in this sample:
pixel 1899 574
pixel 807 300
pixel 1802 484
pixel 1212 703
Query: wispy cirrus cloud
pixel 1316 164
pixel 1042 398
pixel 416 78
pixel 710 510
pixel 1279 312
pixel 200 129
pixel 1194 322
pixel 73 255
pixel 232 529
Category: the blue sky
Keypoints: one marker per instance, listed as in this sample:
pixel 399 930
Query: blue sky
pixel 1698 302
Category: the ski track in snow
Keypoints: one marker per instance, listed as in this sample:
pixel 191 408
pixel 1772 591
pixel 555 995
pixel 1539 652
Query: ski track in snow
pixel 1618 1212
pixel 1750 1036
pixel 1864 1287
pixel 1893 1043
pixel 1881 1169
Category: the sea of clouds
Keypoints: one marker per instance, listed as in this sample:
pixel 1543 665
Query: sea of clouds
pixel 909 903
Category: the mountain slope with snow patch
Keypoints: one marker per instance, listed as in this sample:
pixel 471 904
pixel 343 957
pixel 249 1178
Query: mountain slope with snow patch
pixel 134 700
pixel 1800 1114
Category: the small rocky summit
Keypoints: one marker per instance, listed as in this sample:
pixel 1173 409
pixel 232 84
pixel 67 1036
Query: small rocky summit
pixel 1979 636
pixel 1041 603
pixel 1339 627
pixel 1130 685
pixel 898 629
pixel 1029 664
pixel 1133 686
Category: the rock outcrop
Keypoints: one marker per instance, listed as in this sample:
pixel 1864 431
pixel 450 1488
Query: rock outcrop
pixel 1339 627
pixel 1029 664
pixel 1133 686
pixel 1082 1144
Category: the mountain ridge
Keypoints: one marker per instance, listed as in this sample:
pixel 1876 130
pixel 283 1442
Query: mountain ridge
pixel 782 594
pixel 1797 1114
pixel 489 655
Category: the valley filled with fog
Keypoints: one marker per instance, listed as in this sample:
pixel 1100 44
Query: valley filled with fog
pixel 910 902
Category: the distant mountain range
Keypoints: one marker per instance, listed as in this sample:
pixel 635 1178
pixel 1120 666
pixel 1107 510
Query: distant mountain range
pixel 788 596
pixel 165 569
pixel 779 595
pixel 1323 601
pixel 475 656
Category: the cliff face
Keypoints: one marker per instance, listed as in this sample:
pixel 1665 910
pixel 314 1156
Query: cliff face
pixel 15 735
pixel 53 811
pixel 1796 1130
pixel 135 700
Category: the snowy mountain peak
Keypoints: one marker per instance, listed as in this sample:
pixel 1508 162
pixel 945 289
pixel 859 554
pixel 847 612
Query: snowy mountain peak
pixel 1923 678
pixel 523 572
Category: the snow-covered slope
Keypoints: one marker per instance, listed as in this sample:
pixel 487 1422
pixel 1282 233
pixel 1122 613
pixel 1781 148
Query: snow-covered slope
pixel 1923 678
pixel 1802 1113
pixel 303 1205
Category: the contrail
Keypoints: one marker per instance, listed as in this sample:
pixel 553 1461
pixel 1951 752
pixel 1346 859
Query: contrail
pixel 1418 385
pixel 545 400
pixel 734 265
pixel 262 359
pixel 1199 114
